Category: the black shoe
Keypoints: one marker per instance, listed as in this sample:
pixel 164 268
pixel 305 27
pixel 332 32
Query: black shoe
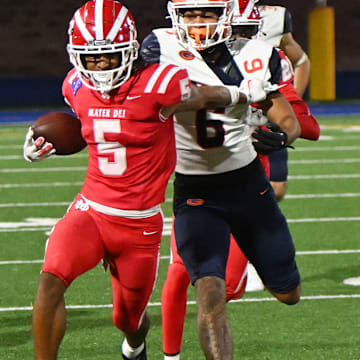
pixel 141 356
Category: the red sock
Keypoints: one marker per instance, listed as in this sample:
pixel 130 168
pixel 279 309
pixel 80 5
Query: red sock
pixel 235 272
pixel 173 307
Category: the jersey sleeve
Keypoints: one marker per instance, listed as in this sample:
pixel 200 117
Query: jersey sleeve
pixel 288 26
pixel 176 86
pixel 65 93
pixel 150 49
pixel 70 86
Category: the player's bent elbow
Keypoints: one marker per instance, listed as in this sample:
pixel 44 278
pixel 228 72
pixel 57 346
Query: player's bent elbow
pixel 294 132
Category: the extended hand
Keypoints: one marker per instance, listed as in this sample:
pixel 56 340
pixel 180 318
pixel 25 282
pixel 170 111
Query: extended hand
pixel 255 90
pixel 270 141
pixel 36 150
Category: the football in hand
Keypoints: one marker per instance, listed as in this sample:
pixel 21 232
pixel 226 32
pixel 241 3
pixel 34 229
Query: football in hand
pixel 61 129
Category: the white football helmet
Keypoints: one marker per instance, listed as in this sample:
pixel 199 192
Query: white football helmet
pixel 246 18
pixel 202 37
pixel 103 27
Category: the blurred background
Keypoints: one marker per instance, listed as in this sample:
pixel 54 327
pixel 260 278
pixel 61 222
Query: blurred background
pixel 34 60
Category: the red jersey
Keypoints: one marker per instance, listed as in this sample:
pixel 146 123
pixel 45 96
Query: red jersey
pixel 310 128
pixel 287 79
pixel 131 148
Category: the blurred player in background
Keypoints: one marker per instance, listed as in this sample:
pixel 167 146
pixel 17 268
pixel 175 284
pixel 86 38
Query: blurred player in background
pixel 125 109
pixel 220 186
pixel 277 30
pixel 276 22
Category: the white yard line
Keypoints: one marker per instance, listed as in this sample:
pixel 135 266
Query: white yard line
pixel 63 203
pixel 85 155
pixel 250 300
pixel 20 157
pixel 54 184
pixel 321 196
pixel 324 176
pixel 83 168
pixel 327 148
pixel 11 205
pixel 21 262
pixel 47 169
pixel 317 145
pixel 323 161
pixel 45 224
pixel 298 253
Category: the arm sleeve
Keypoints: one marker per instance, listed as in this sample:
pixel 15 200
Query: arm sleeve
pixel 178 88
pixel 288 26
pixel 150 49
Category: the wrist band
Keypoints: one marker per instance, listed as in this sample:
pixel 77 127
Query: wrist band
pixel 303 58
pixel 234 94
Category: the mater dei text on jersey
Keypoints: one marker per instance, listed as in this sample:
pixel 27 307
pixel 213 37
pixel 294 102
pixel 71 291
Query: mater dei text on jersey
pixel 106 113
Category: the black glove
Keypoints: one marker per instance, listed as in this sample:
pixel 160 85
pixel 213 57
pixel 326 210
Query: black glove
pixel 270 141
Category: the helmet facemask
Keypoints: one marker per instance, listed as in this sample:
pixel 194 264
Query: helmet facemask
pixel 105 80
pixel 200 36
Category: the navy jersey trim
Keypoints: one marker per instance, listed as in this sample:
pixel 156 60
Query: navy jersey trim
pixel 288 26
pixel 150 49
pixel 225 67
pixel 275 67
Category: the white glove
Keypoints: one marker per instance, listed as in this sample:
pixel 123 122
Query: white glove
pixel 256 90
pixel 36 150
pixel 255 117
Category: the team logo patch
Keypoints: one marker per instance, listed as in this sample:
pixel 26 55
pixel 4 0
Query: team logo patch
pixel 186 55
pixel 195 202
pixel 81 205
pixel 76 85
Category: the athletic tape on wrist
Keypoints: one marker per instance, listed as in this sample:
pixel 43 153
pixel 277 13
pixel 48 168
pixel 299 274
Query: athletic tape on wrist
pixel 234 94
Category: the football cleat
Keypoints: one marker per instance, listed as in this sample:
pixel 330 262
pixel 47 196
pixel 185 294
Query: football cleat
pixel 354 281
pixel 254 283
pixel 141 356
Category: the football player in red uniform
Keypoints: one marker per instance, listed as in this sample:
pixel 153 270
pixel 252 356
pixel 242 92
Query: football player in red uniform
pixel 125 109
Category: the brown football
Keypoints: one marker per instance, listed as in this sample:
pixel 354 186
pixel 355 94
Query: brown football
pixel 61 129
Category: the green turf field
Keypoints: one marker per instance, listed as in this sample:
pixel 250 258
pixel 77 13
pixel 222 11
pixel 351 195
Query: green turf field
pixel 323 210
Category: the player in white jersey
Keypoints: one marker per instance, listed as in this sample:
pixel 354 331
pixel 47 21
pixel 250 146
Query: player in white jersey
pixel 277 30
pixel 220 186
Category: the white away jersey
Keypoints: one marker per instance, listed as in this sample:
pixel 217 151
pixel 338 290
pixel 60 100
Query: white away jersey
pixel 210 142
pixel 276 22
